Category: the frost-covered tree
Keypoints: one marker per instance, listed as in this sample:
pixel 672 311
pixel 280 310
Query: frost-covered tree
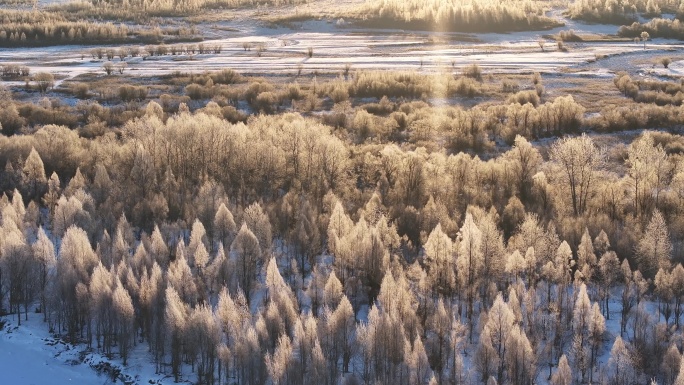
pixel 198 237
pixel 53 193
pixel 597 327
pixel 333 291
pixel 44 253
pixel 525 160
pixel 257 221
pixel 278 364
pixel 69 212
pixel 520 358
pixel 563 375
pixel 586 257
pixel 609 269
pixel 620 366
pixel 493 256
pixel 33 175
pixel 124 315
pixel 578 159
pixel 470 264
pixel 440 262
pixel 176 320
pixel 74 266
pixel 580 323
pixel 654 249
pixel 224 225
pixel 247 253
pixel 417 362
pixel 17 263
pixel 203 334
pixel 671 364
pixel 648 167
pixel 158 249
pixel 497 330
pixel 179 277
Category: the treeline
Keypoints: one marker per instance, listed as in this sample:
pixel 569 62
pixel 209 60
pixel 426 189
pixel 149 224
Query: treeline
pixel 40 28
pixel 656 28
pixel 456 15
pixel 650 91
pixel 621 12
pixel 281 251
pixel 127 9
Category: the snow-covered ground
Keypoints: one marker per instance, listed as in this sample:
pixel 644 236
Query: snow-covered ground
pixel 29 355
pixel 335 46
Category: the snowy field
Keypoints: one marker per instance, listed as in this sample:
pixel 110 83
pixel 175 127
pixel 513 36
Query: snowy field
pixel 29 355
pixel 335 46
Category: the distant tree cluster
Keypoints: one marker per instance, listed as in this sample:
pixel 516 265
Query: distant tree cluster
pixel 621 12
pixel 655 28
pixel 40 28
pixel 661 93
pixel 457 15
pixel 183 7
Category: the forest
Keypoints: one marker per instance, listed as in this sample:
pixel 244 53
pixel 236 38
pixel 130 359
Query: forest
pixel 283 250
pixel 391 192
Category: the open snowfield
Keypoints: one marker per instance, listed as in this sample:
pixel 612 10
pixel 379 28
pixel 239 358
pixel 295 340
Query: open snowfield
pixel 29 355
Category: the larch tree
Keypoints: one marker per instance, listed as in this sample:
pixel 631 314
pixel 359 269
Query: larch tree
pixel 158 250
pixel 257 221
pixel 500 322
pixel 44 253
pixel 601 243
pixel 74 266
pixel 69 212
pixel 654 249
pixel 680 376
pixel 101 287
pixel 247 253
pixel 520 358
pixel 333 291
pixel 470 263
pixel 586 256
pixel 663 290
pixel 176 320
pixel 198 237
pixel 278 364
pixel 203 333
pixel 620 364
pixel 646 173
pixel 671 364
pixel 581 353
pixel 33 175
pixel 609 269
pixel 515 264
pixel 578 159
pixel 493 256
pixel 525 160
pixel 124 314
pixel 179 277
pixel 417 362
pixel 597 327
pixel 344 321
pixel 224 225
pixel 677 287
pixel 439 347
pixel 563 375
pixel 440 262
pixel 16 264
